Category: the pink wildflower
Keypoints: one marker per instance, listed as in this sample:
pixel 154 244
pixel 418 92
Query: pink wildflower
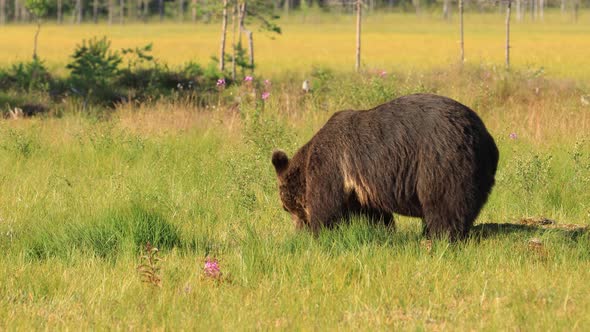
pixel 267 83
pixel 248 79
pixel 211 268
pixel 221 82
pixel 513 136
pixel 265 95
pixel 382 73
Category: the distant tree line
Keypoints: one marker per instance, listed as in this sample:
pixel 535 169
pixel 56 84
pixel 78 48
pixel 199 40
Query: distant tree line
pixel 120 11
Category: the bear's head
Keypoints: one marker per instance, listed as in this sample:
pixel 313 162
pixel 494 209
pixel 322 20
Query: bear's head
pixel 291 180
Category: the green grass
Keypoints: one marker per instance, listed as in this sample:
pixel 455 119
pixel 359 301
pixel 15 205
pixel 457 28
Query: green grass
pixel 80 196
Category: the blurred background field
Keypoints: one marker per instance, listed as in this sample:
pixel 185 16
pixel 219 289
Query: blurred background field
pixel 390 41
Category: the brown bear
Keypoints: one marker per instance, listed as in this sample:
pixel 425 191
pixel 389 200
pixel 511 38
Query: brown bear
pixel 419 155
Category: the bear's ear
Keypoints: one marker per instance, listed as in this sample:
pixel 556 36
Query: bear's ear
pixel 280 161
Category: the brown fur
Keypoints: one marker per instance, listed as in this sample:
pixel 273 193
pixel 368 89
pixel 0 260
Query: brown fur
pixel 420 155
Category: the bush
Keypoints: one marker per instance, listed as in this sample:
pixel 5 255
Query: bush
pixel 94 69
pixel 97 76
pixel 26 76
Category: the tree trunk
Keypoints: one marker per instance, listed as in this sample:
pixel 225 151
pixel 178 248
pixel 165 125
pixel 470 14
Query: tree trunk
pixel 79 11
pixel 233 34
pixel 161 9
pixel 111 11
pixel 446 15
pixel 194 10
pixel 223 34
pixel 508 34
pixel 36 38
pixel 181 10
pixel 518 10
pixel 25 15
pixel 533 10
pixel 16 11
pixel 2 11
pixel 75 12
pixel 121 11
pixel 251 50
pixel 145 11
pixel 287 7
pixel 542 9
pixel 357 65
pixel 59 11
pixel 462 43
pixel 138 11
pixel 562 6
pixel 95 11
pixel 241 16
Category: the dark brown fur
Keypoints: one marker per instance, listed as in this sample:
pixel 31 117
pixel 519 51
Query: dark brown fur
pixel 420 155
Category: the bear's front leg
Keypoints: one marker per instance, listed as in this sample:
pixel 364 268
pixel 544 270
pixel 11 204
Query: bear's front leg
pixel 324 207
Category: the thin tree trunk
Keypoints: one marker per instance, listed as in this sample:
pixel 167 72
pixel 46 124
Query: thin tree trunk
pixel 462 43
pixel 223 34
pixel 241 17
pixel 446 9
pixel 16 10
pixel 59 11
pixel 181 10
pixel 532 10
pixel 287 7
pixel 251 50
pixel 562 6
pixel 357 65
pixel 542 9
pixel 233 34
pixel 161 9
pixel 2 11
pixel 121 11
pixel 508 34
pixel 74 12
pixel 95 11
pixel 138 11
pixel 111 11
pixel 79 11
pixel 194 10
pixel 36 38
pixel 518 10
pixel 25 14
pixel 250 35
pixel 146 8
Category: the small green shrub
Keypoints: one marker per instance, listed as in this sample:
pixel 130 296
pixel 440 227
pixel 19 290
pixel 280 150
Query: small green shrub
pixel 26 76
pixel 94 69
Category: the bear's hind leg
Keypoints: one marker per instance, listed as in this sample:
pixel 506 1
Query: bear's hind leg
pixel 441 222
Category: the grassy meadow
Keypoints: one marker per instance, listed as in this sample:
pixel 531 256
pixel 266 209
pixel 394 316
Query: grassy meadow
pixel 83 192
